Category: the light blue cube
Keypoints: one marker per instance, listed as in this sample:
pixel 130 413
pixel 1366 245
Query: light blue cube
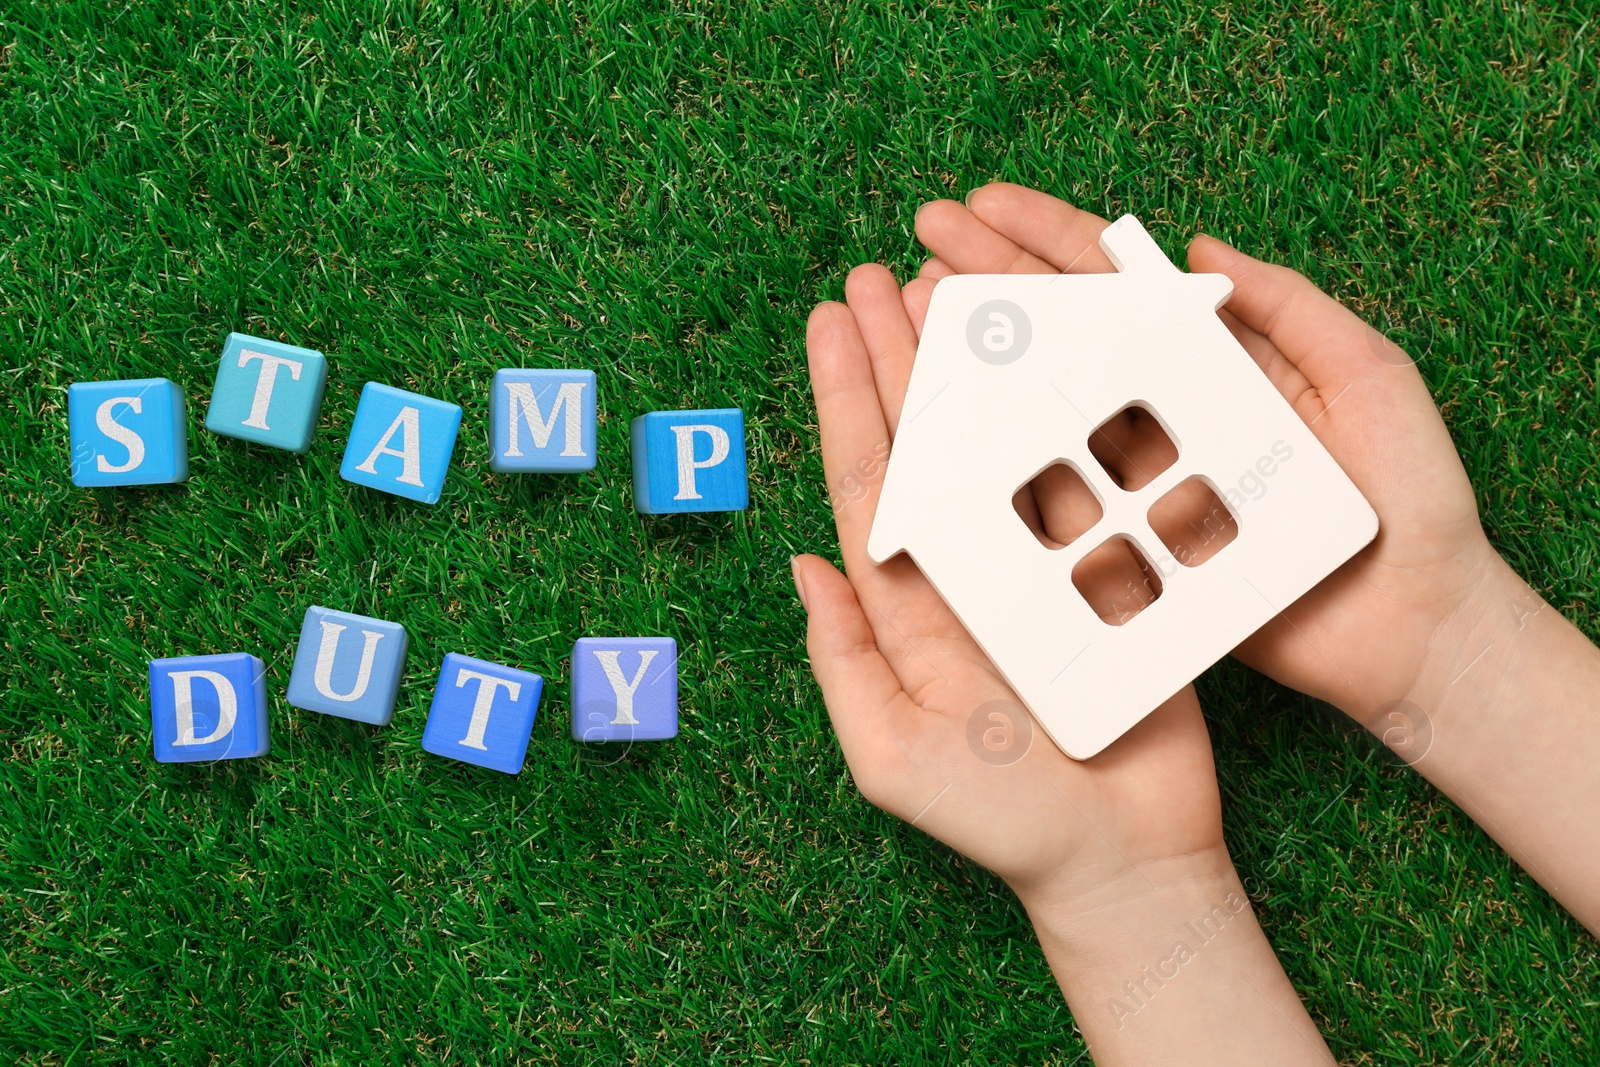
pixel 401 442
pixel 624 689
pixel 348 665
pixel 689 461
pixel 208 707
pixel 127 433
pixel 542 421
pixel 267 392
pixel 482 713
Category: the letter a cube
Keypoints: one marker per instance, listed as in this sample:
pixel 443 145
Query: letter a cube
pixel 267 392
pixel 127 433
pixel 348 665
pixel 624 689
pixel 689 461
pixel 401 442
pixel 482 713
pixel 542 421
pixel 208 707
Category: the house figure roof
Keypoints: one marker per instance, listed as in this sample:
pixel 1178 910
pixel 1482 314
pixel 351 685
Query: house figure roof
pixel 1014 374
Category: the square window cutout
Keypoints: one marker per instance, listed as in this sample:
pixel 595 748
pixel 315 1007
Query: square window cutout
pixel 1134 447
pixel 1058 505
pixel 1117 581
pixel 1193 522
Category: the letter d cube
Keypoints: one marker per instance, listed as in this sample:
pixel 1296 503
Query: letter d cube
pixel 689 461
pixel 482 713
pixel 208 707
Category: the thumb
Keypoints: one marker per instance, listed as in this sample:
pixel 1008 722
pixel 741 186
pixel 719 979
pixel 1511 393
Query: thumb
pixel 871 713
pixel 1329 344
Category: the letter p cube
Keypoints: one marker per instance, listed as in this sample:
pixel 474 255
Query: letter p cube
pixel 689 461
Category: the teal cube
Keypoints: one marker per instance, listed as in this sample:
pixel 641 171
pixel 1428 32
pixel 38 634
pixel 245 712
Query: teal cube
pixel 689 461
pixel 401 443
pixel 267 392
pixel 542 421
pixel 127 433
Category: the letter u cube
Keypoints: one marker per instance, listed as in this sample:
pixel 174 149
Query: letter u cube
pixel 348 665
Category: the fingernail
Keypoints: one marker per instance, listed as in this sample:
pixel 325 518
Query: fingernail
pixel 967 200
pixel 799 586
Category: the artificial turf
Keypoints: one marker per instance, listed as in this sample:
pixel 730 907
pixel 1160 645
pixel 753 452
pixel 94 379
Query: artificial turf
pixel 428 192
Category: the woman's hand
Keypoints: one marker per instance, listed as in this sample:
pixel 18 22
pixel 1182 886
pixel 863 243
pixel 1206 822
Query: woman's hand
pixel 1115 857
pixel 1426 637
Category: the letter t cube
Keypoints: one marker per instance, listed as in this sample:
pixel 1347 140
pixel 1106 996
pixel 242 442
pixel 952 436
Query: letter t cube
pixel 267 392
pixel 482 713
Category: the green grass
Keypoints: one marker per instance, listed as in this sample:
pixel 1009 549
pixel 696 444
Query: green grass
pixel 427 192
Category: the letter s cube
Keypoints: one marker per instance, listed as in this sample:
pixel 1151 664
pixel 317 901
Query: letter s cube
pixel 208 707
pixel 127 433
pixel 689 461
pixel 624 689
pixel 267 392
pixel 542 421
pixel 348 665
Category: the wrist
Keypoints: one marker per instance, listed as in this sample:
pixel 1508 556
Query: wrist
pixel 1151 958
pixel 1469 657
pixel 1115 945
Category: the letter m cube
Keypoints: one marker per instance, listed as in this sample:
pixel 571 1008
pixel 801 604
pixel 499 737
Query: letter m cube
pixel 542 421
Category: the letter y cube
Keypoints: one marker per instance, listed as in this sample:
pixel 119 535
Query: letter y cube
pixel 624 689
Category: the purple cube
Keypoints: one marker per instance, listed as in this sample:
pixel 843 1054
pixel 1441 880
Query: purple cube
pixel 624 689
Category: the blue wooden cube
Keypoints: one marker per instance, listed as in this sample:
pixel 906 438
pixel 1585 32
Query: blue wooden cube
pixel 267 392
pixel 689 461
pixel 482 713
pixel 348 665
pixel 542 421
pixel 127 433
pixel 401 442
pixel 624 689
pixel 208 707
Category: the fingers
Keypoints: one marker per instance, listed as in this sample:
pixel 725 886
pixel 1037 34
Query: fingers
pixel 891 342
pixel 934 268
pixel 870 711
pixel 1325 341
pixel 1044 226
pixel 916 295
pixel 855 436
pixel 961 241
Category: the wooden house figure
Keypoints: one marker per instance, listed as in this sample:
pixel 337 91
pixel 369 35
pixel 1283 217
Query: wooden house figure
pixel 1014 374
